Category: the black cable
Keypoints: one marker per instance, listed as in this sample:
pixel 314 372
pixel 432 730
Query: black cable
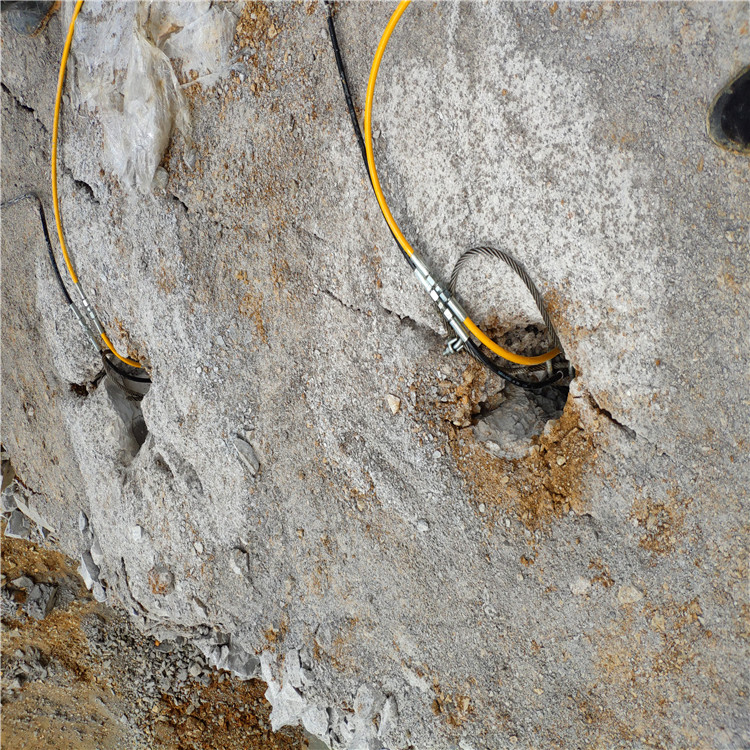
pixel 528 385
pixel 345 86
pixel 116 368
pixel 47 240
pixel 353 113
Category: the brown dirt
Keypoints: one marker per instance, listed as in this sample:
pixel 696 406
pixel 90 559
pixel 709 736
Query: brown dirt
pixel 547 483
pixel 235 716
pixel 80 708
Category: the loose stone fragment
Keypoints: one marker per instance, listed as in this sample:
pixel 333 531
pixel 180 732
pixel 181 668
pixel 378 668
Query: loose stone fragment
pixel 394 403
pixel 40 600
pixel 96 552
pixel 239 562
pixel 137 533
pixel 247 455
pixel 628 595
pixel 88 570
pixel 18 526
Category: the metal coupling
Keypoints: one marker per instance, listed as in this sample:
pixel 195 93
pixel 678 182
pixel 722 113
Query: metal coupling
pixel 84 325
pixel 453 346
pixel 89 311
pixel 448 307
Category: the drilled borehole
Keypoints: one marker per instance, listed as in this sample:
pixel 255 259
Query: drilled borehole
pixel 729 114
pixel 125 395
pixel 509 418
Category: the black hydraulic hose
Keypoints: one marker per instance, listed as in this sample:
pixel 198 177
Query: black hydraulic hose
pixel 345 86
pixel 48 242
pixel 353 112
pixel 527 385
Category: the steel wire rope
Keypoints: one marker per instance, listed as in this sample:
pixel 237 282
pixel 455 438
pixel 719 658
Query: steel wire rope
pixel 520 271
pixel 55 199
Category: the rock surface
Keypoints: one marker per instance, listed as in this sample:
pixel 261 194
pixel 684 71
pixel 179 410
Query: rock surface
pixel 260 285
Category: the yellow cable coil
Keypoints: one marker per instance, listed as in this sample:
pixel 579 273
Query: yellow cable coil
pixel 55 200
pixel 468 322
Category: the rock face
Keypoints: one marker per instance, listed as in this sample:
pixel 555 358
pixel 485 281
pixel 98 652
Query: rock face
pixel 395 582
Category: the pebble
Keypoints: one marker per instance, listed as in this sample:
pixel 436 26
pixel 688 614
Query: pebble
pixel 482 507
pixel 422 525
pixel 628 595
pixel 198 547
pixel 561 460
pixel 394 403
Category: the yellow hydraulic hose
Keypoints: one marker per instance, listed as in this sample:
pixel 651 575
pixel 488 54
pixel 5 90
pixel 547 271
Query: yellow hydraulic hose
pixel 468 322
pixel 55 200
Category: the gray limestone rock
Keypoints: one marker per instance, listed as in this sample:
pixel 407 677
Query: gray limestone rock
pixel 262 288
pixel 40 599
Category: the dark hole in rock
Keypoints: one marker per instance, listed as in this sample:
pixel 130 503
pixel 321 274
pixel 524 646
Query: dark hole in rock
pixel 510 419
pixel 79 390
pixel 729 115
pixel 507 431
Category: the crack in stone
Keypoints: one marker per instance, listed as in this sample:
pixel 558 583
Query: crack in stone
pixel 25 107
pixel 629 431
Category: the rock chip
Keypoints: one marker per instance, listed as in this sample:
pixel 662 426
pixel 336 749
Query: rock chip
pixel 247 455
pixel 628 595
pixel 394 403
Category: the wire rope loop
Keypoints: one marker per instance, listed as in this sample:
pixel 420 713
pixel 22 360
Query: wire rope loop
pixel 519 270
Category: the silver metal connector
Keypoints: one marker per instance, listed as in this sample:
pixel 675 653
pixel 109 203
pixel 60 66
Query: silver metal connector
pixel 453 346
pixel 449 308
pixel 89 311
pixel 84 325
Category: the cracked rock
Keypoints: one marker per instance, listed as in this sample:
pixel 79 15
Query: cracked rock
pixel 508 430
